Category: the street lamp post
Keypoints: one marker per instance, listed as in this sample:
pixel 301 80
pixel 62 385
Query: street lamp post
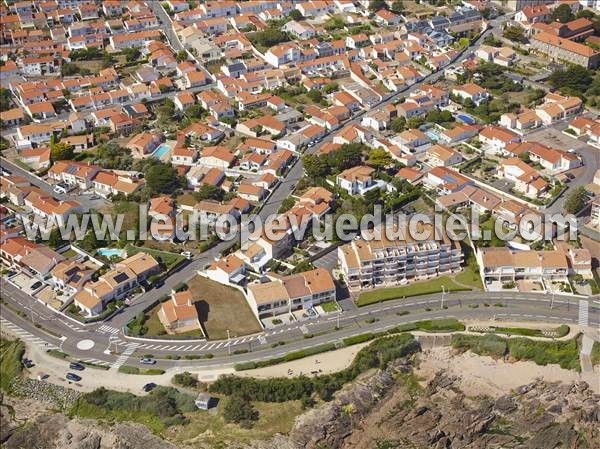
pixel 443 293
pixel 229 343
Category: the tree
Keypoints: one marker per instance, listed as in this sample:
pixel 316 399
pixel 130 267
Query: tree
pixel 54 239
pixel 61 152
pixel 328 88
pixel 315 166
pixel 68 69
pixel 295 15
pixel 4 99
pixel 240 411
pixel 181 55
pixel 376 5
pixel 574 80
pixel 348 155
pixel 398 124
pixel 209 192
pixel 562 14
pixel 112 156
pixel 514 33
pixel 398 6
pixel 286 204
pixel 575 201
pixel 303 266
pixel 379 158
pixel 161 177
pixel 315 95
pixel 131 54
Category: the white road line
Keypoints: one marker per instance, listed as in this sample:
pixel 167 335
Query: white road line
pixel 583 312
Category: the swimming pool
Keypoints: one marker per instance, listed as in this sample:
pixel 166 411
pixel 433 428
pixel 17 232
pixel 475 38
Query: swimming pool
pixel 110 252
pixel 466 119
pixel 432 135
pixel 161 150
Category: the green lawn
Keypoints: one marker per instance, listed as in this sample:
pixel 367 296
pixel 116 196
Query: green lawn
pixel 596 353
pixel 168 259
pixel 470 277
pixel 414 289
pixel 11 353
pixel 330 306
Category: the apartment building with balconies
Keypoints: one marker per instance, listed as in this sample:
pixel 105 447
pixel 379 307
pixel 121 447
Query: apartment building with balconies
pixel 389 261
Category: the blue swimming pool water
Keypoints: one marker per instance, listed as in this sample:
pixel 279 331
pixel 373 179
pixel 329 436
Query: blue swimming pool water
pixel 466 119
pixel 161 150
pixel 110 252
pixel 433 136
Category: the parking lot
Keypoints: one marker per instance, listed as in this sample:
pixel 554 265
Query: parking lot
pixel 25 283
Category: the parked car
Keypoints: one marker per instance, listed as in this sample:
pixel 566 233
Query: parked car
pixel 28 363
pixel 149 387
pixel 36 285
pixel 59 189
pixel 76 366
pixel 158 283
pixel 187 254
pixel 73 377
pixel 147 361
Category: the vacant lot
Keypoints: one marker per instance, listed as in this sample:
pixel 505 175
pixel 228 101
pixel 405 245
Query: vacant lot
pixel 415 289
pixel 168 259
pixel 221 308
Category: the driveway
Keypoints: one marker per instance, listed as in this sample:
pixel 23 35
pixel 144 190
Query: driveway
pixel 554 138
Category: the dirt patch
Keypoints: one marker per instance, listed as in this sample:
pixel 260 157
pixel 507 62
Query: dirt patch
pixel 222 308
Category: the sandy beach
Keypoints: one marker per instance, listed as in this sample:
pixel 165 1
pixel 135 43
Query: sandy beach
pixel 484 375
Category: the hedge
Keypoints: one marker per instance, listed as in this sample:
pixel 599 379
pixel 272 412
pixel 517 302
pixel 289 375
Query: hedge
pixel 376 355
pixel 127 369
pixel 563 353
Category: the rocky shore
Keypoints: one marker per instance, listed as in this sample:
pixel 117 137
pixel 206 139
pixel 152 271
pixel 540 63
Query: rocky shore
pixel 390 408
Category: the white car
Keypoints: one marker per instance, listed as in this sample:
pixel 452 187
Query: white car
pixel 60 190
pixel 187 254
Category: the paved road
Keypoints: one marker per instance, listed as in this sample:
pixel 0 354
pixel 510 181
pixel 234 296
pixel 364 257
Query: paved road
pixel 85 200
pixel 68 335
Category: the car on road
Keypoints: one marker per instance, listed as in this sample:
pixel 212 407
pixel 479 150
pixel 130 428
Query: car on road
pixel 293 186
pixel 149 387
pixel 187 254
pixel 36 285
pixel 147 361
pixel 158 283
pixel 76 366
pixel 73 377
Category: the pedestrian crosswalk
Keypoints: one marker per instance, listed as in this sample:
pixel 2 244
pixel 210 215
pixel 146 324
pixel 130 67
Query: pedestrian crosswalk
pixel 27 336
pixel 125 355
pixel 583 312
pixel 106 329
pixel 96 362
pixel 203 346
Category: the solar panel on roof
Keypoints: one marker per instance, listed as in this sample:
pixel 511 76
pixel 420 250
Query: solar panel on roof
pixel 121 277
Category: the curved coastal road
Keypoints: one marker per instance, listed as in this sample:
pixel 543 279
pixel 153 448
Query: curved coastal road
pixel 92 342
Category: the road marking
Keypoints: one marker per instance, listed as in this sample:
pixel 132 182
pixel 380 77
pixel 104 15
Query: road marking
pixel 186 348
pixel 125 355
pixel 23 334
pixel 211 346
pixel 583 312
pixel 106 329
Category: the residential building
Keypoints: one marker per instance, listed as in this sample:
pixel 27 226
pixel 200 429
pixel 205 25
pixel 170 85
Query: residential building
pixel 565 50
pixel 116 283
pixel 179 314
pixel 505 265
pixel 289 293
pixel 382 261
